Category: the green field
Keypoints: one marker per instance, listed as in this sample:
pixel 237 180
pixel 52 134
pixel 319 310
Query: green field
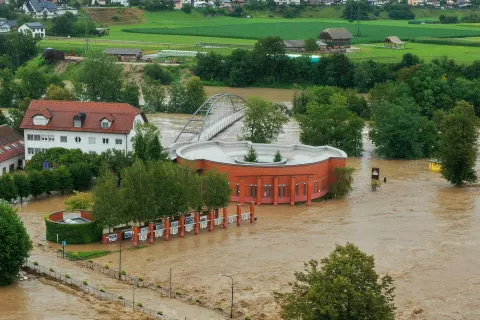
pixel 180 31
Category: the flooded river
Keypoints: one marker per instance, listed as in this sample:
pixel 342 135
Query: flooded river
pixel 421 230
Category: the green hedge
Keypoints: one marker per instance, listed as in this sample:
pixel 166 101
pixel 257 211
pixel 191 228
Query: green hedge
pixel 73 233
pixel 448 42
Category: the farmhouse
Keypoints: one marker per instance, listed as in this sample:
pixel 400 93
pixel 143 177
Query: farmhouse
pixel 35 29
pixel 92 127
pixel 393 42
pixel 40 8
pixel 12 150
pixel 299 45
pixel 4 26
pixel 125 54
pixel 336 38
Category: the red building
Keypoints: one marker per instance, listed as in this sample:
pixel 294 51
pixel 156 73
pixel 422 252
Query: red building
pixel 304 173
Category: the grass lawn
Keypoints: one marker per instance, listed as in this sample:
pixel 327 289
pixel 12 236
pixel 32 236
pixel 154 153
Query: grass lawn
pixel 86 255
pixel 427 52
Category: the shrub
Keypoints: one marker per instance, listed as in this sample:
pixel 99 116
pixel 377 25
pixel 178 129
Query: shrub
pixel 278 157
pixel 102 290
pixel 155 72
pixel 123 273
pixel 248 317
pixel 115 18
pixel 251 155
pixel 140 305
pixel 52 270
pixel 85 282
pixel 187 8
pixel 35 263
pixel 160 313
pixel 343 182
pixel 140 279
pixel 219 308
pixel 73 233
pixel 158 285
pixel 67 276
pixel 120 297
pixel 106 266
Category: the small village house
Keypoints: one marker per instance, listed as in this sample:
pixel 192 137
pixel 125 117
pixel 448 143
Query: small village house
pixel 92 127
pixel 125 54
pixel 12 150
pixel 4 26
pixel 35 29
pixel 337 38
pixel 40 9
pixel 299 45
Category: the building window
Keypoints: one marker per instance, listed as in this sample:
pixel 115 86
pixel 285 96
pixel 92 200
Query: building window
pixel 315 186
pixel 253 190
pixel 37 150
pixel 118 141
pixel 44 150
pixel 63 139
pixel 7 148
pixel 323 183
pixel 237 190
pixel 22 143
pixel 15 145
pixel 51 138
pixel 92 152
pixel 31 151
pixel 105 140
pixel 305 187
pixel 36 137
pixel 77 123
pixel 282 191
pixel 1 151
pixel 105 124
pixel 91 140
pixel 44 137
pixel 78 139
pixel 267 191
pixel 296 189
pixel 30 137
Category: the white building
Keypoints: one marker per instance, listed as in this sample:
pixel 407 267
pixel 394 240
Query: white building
pixel 287 2
pixel 12 150
pixel 92 127
pixel 39 9
pixel 4 26
pixel 121 2
pixel 35 29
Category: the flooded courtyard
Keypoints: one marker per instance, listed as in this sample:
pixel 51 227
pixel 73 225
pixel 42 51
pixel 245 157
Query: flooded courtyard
pixel 421 230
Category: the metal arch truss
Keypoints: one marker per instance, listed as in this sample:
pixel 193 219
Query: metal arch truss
pixel 215 115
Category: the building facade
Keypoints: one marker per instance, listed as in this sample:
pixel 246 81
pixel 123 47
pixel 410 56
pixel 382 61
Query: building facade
pixel 92 127
pixel 305 173
pixel 35 29
pixel 12 150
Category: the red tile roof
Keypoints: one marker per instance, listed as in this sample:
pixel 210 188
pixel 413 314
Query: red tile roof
pixel 62 112
pixel 11 143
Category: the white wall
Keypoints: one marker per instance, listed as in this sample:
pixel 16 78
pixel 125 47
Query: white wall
pixel 83 145
pixel 6 164
pixel 37 33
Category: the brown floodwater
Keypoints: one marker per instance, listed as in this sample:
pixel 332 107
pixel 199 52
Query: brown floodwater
pixel 277 95
pixel 421 230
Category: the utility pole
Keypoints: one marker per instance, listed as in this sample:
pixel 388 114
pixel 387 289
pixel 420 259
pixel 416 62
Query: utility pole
pixel 358 19
pixel 170 282
pixel 231 307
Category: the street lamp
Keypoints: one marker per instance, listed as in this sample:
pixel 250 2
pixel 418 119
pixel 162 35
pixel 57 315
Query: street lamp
pixel 231 308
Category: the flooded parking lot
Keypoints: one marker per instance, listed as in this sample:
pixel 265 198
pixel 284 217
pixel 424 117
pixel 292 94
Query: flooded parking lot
pixel 421 230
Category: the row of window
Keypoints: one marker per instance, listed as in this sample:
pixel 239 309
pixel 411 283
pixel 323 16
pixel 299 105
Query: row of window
pixel 33 151
pixel 9 147
pixel 282 189
pixel 51 138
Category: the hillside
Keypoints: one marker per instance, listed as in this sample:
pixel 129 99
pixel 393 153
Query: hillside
pixel 105 16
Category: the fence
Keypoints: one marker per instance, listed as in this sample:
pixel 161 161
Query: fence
pixel 90 289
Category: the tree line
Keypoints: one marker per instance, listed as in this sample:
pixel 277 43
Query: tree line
pixel 268 65
pixel 157 189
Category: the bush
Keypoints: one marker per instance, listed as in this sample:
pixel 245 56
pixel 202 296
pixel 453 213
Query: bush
pixel 448 19
pixel 52 270
pixel 106 266
pixel 115 18
pixel 35 263
pixel 140 305
pixel 85 282
pixel 156 73
pixel 67 276
pixel 73 233
pixel 141 279
pixel 187 8
pixel 124 273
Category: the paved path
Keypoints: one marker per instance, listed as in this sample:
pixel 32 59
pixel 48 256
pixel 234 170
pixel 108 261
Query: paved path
pixel 149 298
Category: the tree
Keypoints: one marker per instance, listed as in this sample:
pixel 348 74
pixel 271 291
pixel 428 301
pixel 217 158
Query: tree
pixel 117 160
pixel 331 123
pixel 36 183
pixel 22 185
pixel 157 74
pixel 16 48
pixel 342 185
pixel 178 98
pixel 63 25
pixel 458 145
pixel 63 179
pixel 216 190
pixel 311 45
pixel 15 246
pixel 80 200
pixel 3 118
pixel 8 88
pixel 278 157
pixel 8 190
pixel 17 114
pixel 146 143
pixel 399 131
pixel 82 175
pixel 55 92
pixel 409 60
pixel 155 98
pixel 343 286
pixel 108 203
pixel 99 79
pixel 251 155
pixel 334 70
pixel 263 121
pixel 48 178
pixel 33 82
pixel 353 8
pixel 195 95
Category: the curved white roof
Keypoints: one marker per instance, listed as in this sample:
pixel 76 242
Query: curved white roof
pixel 226 152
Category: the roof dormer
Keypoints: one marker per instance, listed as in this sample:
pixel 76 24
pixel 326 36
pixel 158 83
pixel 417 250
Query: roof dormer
pixel 79 119
pixel 107 121
pixel 42 118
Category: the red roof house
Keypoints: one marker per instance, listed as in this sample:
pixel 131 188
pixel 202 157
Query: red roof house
pixel 12 150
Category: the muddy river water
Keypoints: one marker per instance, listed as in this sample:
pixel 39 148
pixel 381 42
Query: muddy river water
pixel 421 230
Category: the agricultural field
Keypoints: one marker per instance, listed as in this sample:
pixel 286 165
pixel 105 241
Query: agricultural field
pixel 153 31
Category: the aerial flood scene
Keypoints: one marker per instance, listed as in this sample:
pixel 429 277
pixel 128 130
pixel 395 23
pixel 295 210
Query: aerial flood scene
pixel 248 160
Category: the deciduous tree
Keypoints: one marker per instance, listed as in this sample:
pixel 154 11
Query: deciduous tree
pixel 458 145
pixel 36 182
pixel 80 200
pixel 8 189
pixel 108 202
pixel 195 95
pixel 15 246
pixel 216 190
pixel 22 185
pixel 146 143
pixel 342 286
pixel 263 121
pixel 63 179
pixel 55 92
pixel 154 96
pixel 332 123
pixel 311 45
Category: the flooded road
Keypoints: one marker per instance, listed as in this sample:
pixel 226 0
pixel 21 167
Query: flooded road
pixel 421 230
